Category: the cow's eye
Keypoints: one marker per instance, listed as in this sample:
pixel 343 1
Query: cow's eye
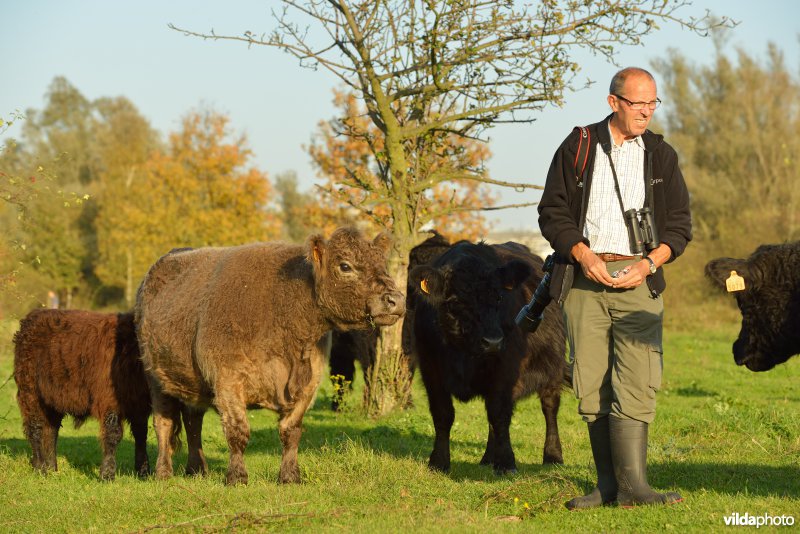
pixel 345 267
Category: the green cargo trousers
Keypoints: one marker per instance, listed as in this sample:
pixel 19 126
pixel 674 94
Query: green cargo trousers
pixel 615 345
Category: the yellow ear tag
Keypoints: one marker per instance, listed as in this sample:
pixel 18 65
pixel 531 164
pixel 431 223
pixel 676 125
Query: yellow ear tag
pixel 315 253
pixel 734 282
pixel 423 285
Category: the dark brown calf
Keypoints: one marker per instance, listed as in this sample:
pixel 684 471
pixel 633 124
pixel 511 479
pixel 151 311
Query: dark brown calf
pixel 83 364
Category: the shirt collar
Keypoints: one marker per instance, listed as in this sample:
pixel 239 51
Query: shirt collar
pixel 638 139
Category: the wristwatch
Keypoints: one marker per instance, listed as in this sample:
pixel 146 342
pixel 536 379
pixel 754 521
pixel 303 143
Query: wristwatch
pixel 653 267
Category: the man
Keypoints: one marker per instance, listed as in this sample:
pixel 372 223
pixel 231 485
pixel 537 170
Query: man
pixel 610 292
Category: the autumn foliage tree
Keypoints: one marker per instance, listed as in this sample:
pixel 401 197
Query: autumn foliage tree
pixel 124 144
pixel 348 154
pixel 429 71
pixel 54 155
pixel 140 197
pixel 199 191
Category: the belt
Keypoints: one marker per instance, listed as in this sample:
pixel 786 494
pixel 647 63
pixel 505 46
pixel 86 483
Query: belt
pixel 610 256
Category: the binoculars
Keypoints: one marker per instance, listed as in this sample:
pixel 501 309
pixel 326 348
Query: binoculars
pixel 641 230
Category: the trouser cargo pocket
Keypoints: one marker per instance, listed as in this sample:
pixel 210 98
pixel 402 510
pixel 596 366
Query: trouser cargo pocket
pixel 656 361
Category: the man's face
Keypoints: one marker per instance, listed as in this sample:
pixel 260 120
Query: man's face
pixel 626 121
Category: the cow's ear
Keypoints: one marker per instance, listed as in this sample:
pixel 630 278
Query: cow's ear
pixel 427 282
pixel 719 270
pixel 315 250
pixel 514 273
pixel 383 241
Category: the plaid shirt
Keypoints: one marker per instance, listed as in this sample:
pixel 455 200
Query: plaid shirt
pixel 605 226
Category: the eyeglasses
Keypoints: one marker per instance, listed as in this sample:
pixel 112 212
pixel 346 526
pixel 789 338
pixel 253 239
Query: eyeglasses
pixel 638 106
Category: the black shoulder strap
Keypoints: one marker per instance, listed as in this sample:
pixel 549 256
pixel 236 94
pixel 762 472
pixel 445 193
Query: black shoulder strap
pixel 582 154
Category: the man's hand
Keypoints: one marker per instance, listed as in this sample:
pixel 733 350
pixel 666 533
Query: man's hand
pixel 593 267
pixel 633 275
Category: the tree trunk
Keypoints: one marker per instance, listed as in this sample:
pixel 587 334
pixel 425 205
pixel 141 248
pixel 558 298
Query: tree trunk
pixel 388 378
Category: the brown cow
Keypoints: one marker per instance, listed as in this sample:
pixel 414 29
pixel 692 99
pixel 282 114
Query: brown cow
pixel 82 364
pixel 249 326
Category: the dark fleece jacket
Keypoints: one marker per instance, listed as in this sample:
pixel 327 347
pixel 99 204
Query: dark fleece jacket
pixel 562 209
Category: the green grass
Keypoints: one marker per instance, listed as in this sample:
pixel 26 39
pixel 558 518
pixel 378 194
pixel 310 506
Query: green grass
pixel 727 439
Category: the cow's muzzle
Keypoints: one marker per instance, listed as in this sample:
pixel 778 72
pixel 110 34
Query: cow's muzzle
pixel 492 344
pixel 389 309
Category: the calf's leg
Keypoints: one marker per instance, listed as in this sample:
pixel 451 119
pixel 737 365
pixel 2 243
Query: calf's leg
pixel 166 422
pixel 232 406
pixel 499 408
pixel 290 426
pixel 40 425
pixel 193 421
pixel 141 462
pixel 551 400
pixel 488 456
pixel 110 436
pixel 443 414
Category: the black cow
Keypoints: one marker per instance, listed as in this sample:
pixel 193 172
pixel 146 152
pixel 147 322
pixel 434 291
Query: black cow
pixel 468 345
pixel 346 349
pixel 770 304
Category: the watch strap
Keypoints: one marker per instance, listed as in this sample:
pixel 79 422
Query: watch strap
pixel 653 267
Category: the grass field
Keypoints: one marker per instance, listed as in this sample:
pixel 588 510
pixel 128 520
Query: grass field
pixel 727 439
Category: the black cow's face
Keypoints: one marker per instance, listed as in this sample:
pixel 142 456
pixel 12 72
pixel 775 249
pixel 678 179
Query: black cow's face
pixel 472 301
pixel 769 306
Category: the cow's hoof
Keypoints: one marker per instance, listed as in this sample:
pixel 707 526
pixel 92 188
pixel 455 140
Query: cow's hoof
pixel 196 468
pixel 107 471
pixel 289 476
pixel 553 459
pixel 234 478
pixel 143 471
pixel 163 474
pixel 441 468
pixel 505 471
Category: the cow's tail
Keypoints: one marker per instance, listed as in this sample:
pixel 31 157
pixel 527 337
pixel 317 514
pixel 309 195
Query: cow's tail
pixel 175 437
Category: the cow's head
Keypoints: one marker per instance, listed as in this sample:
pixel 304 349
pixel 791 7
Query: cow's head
pixel 471 297
pixel 769 303
pixel 351 283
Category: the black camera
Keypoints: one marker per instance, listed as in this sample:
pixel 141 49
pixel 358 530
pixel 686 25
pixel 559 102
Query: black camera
pixel 641 230
pixel 531 315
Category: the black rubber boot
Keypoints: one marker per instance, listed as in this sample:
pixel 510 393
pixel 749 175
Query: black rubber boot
pixel 629 456
pixel 606 490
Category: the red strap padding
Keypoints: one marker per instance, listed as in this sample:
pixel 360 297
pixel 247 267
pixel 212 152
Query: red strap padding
pixel 582 154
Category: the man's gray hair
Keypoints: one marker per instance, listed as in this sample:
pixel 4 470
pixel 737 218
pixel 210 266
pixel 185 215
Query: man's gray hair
pixel 618 81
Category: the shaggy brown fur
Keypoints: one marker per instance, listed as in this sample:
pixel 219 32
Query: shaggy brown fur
pixel 248 326
pixel 83 364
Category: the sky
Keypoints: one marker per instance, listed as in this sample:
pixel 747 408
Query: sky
pixel 108 48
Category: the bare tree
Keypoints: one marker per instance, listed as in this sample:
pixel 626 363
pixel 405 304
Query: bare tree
pixel 430 69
